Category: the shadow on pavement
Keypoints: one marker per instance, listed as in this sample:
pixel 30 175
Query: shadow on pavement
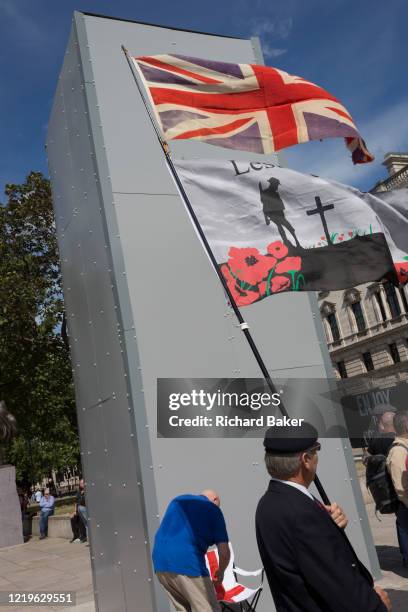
pixel 391 561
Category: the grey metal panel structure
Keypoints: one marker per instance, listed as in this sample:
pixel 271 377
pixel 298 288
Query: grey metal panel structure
pixel 120 555
pixel 143 302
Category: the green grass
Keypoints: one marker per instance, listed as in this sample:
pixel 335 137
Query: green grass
pixel 64 509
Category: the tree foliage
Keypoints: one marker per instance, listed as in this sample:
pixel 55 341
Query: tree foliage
pixel 35 369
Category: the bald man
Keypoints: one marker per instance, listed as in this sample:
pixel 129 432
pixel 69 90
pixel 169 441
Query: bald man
pixel 381 443
pixel 191 524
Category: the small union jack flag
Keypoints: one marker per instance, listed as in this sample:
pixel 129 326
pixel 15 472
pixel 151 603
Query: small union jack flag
pixel 243 106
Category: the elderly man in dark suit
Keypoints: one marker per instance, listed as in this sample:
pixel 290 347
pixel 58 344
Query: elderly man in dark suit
pixel 309 562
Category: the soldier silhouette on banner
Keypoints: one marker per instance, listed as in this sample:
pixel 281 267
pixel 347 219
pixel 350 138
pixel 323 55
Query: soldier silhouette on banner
pixel 273 209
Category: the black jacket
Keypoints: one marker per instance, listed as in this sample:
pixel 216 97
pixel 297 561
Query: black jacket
pixel 80 497
pixel 310 565
pixel 381 444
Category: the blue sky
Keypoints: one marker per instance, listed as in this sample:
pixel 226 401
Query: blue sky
pixel 356 49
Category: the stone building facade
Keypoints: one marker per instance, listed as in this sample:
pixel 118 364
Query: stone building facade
pixel 367 331
pixel 397 166
pixel 366 326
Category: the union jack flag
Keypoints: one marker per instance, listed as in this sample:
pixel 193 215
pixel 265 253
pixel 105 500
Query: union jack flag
pixel 243 106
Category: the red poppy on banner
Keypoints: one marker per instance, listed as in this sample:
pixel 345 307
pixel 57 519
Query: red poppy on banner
pixel 273 230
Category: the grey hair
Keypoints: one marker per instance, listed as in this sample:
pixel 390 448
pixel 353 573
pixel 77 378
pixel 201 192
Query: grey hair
pixel 282 466
pixel 401 423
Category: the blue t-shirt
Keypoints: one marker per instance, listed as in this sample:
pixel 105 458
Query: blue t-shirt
pixel 191 524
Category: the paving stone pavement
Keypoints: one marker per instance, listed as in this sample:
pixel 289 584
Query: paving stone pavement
pixel 395 575
pixel 52 564
pixel 55 564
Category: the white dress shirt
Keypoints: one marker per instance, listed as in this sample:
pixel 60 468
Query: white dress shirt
pixel 296 485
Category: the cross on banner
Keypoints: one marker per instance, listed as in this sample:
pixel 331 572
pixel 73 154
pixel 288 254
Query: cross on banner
pixel 320 210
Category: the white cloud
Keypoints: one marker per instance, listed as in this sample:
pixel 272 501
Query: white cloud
pixel 387 131
pixel 278 28
pixel 270 31
pixel 270 51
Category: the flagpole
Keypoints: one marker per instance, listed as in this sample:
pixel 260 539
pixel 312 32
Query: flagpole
pixel 244 326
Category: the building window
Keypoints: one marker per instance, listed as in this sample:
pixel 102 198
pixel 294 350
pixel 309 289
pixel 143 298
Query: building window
pixel 359 316
pixel 395 353
pixel 352 298
pixel 368 361
pixel 392 299
pixel 331 324
pixel 341 366
pixel 332 320
pixel 380 305
pixel 404 299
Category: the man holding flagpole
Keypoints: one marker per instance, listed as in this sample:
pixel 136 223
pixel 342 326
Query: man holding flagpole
pixel 309 562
